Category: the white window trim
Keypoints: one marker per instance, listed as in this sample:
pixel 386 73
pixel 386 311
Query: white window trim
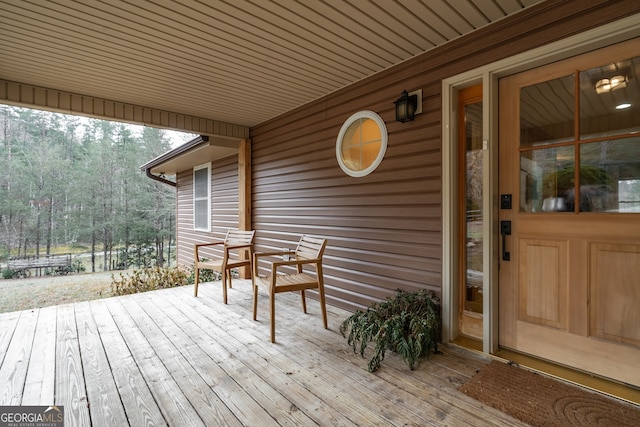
pixel 208 198
pixel 365 114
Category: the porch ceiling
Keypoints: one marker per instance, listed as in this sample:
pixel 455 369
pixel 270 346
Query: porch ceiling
pixel 236 61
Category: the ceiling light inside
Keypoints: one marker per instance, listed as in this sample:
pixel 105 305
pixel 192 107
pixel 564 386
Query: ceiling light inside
pixel 609 85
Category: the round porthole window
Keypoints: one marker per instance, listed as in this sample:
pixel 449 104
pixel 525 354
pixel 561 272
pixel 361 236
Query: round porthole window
pixel 361 143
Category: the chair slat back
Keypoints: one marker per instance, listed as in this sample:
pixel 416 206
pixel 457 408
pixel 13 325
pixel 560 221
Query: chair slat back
pixel 239 237
pixel 310 247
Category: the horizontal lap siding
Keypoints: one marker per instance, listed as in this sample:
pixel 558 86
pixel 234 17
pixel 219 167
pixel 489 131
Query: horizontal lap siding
pixel 224 208
pixel 385 229
pixel 383 234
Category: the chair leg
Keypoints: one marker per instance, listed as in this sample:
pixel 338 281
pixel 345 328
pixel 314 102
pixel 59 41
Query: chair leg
pixel 323 305
pixel 224 286
pixel 197 280
pixel 304 302
pixel 229 276
pixel 255 302
pixel 272 308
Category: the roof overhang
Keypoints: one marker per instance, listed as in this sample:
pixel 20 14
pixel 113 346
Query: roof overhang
pixel 192 153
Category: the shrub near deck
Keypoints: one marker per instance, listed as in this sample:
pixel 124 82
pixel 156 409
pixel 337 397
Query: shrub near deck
pixel 148 279
pixel 408 324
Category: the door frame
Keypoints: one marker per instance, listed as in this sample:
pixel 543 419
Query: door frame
pixel 488 75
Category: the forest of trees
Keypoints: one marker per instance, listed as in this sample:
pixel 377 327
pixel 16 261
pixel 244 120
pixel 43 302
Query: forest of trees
pixel 75 183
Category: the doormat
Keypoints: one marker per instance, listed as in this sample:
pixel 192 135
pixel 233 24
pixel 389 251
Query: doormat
pixel 542 401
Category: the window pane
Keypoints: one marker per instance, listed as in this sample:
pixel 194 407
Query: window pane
pixel 370 131
pixel 361 143
pixel 201 183
pixel 353 136
pixel 473 207
pixel 351 157
pixel 547 112
pixel 610 176
pixel 610 100
pixel 370 153
pixel 547 180
pixel 200 214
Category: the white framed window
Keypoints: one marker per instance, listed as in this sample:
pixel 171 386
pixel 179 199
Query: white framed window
pixel 202 197
pixel 361 143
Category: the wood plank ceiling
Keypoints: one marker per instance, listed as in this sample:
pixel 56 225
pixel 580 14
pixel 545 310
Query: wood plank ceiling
pixel 237 61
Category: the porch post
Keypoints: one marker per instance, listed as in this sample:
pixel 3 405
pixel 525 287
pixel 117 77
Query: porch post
pixel 244 193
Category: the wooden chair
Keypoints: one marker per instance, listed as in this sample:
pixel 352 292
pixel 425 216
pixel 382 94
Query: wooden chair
pixel 307 254
pixel 235 240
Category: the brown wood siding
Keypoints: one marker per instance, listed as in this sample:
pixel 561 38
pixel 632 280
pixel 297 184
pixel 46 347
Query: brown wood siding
pixel 224 208
pixel 384 230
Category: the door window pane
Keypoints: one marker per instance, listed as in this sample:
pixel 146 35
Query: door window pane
pixel 547 179
pixel 474 239
pixel 610 99
pixel 547 112
pixel 610 176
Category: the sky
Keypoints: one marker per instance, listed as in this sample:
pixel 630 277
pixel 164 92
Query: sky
pixel 179 138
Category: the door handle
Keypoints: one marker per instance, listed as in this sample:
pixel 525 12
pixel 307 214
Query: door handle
pixel 505 230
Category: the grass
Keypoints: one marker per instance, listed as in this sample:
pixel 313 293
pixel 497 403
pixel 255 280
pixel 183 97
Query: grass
pixel 25 294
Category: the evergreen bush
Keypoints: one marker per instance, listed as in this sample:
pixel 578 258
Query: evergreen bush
pixel 408 324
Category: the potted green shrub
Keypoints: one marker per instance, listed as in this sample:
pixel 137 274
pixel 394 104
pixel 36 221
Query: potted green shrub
pixel 408 324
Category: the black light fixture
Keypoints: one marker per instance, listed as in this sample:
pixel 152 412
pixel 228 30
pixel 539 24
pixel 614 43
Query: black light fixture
pixel 406 107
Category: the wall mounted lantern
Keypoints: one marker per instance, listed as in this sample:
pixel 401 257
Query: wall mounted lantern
pixel 408 105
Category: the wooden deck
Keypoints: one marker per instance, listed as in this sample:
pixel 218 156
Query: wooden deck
pixel 167 358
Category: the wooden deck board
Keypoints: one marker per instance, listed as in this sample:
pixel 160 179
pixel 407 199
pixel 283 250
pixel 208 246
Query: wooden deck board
pixel 103 397
pixel 70 388
pixel 16 362
pixel 175 407
pixel 252 386
pixel 184 366
pixel 298 395
pixel 167 358
pixel 243 347
pixel 138 402
pixel 39 387
pixel 8 322
pixel 428 385
pixel 384 385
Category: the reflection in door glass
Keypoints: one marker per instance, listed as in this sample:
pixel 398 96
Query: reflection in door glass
pixel 610 176
pixel 610 99
pixel 547 112
pixel 473 209
pixel 547 179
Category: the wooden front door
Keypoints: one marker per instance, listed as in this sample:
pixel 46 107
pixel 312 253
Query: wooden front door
pixel 570 244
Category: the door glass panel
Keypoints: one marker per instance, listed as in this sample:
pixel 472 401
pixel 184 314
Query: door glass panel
pixel 610 176
pixel 547 179
pixel 547 112
pixel 473 208
pixel 610 99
